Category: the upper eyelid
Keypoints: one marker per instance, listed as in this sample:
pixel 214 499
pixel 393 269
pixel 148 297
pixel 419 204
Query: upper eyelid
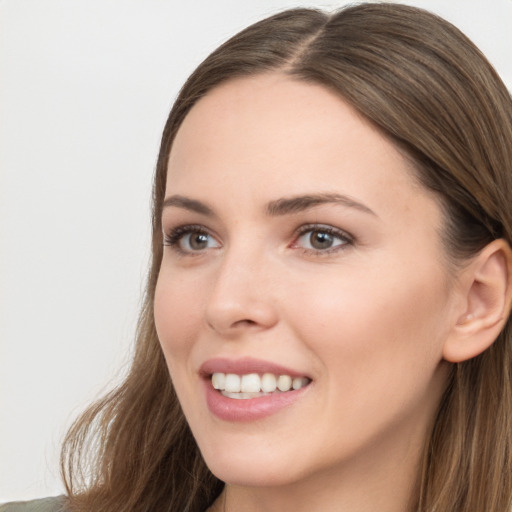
pixel 303 228
pixel 182 230
pixel 326 227
pixel 347 240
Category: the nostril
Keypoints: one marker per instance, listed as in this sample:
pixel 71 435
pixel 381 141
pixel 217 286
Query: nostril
pixel 244 322
pixel 234 326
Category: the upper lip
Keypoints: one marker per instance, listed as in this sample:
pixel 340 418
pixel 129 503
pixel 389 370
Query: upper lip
pixel 244 366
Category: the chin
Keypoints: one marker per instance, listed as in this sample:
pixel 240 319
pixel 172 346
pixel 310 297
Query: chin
pixel 249 475
pixel 257 467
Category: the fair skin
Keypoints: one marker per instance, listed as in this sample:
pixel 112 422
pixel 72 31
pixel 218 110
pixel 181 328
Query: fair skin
pixel 351 290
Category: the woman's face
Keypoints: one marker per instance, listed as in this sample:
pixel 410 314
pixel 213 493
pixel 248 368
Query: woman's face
pixel 300 248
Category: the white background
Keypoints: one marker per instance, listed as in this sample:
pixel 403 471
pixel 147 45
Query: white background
pixel 85 88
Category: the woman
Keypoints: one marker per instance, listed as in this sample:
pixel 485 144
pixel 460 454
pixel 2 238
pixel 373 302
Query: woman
pixel 330 285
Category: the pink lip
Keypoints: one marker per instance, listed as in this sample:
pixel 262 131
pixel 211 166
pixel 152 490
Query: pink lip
pixel 236 410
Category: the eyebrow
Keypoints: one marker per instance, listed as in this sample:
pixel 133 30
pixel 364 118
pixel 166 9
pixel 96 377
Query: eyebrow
pixel 283 206
pixel 188 204
pixel 296 204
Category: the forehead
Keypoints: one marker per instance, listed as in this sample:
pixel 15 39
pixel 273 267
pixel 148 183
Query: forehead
pixel 246 106
pixel 255 139
pixel 266 120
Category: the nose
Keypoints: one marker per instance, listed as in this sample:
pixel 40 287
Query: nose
pixel 241 297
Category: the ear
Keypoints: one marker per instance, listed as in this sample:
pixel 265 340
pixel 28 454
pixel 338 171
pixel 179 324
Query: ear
pixel 487 293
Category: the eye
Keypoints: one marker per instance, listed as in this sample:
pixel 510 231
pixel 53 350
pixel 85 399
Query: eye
pixel 190 239
pixel 322 239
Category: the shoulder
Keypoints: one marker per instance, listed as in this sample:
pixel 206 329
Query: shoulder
pixel 56 504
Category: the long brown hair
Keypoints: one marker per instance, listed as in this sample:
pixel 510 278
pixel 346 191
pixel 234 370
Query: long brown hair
pixel 428 88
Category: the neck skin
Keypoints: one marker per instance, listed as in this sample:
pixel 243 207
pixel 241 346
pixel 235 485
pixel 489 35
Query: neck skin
pixel 384 479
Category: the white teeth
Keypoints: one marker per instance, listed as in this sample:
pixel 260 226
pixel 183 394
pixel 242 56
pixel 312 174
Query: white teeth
pixel 232 384
pixel 252 385
pixel 219 380
pixel 299 382
pixel 241 396
pixel 268 383
pixel 284 383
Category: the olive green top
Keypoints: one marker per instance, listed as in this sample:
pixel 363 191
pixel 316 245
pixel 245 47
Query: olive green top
pixel 56 504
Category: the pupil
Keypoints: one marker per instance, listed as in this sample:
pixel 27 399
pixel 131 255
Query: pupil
pixel 320 240
pixel 198 241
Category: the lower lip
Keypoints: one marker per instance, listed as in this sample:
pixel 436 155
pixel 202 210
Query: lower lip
pixel 251 409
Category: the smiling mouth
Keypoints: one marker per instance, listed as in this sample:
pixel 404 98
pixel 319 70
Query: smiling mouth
pixel 254 385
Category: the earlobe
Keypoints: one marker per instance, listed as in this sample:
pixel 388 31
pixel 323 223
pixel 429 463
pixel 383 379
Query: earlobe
pixel 487 288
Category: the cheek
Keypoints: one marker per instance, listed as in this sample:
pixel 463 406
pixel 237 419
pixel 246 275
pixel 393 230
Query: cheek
pixel 374 328
pixel 177 320
pixel 377 343
pixel 177 313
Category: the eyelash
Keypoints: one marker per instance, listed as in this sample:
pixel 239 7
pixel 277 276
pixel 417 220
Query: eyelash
pixel 343 236
pixel 176 235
